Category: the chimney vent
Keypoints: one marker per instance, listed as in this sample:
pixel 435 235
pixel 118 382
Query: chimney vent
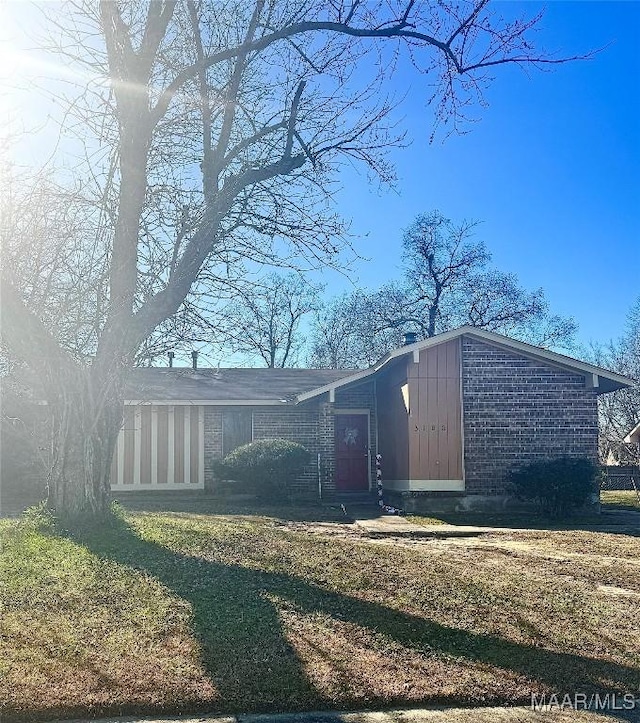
pixel 170 354
pixel 194 359
pixel 409 337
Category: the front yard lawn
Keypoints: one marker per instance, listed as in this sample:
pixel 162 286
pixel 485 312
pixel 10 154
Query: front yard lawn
pixel 169 612
pixel 625 499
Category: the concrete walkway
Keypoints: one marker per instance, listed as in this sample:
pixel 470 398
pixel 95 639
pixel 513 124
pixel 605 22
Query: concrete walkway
pixel 392 526
pixel 396 526
pixel 518 714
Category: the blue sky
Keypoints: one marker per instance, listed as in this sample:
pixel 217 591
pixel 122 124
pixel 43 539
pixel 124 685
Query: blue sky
pixel 552 170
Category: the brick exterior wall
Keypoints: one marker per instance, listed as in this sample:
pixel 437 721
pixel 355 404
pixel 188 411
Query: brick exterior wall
pixel 298 424
pixel 310 424
pixel 515 410
pixel 518 410
pixel 212 443
pixel 326 434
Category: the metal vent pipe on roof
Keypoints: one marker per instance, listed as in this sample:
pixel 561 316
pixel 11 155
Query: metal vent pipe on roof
pixel 409 337
pixel 170 354
pixel 194 359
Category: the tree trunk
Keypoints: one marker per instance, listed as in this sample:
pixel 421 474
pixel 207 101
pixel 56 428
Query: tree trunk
pixel 86 416
pixel 433 315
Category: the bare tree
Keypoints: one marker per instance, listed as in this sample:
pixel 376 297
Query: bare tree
pixel 264 319
pixel 440 258
pixel 351 331
pixel 213 140
pixel 620 411
pixel 447 282
pixel 240 318
pixel 47 241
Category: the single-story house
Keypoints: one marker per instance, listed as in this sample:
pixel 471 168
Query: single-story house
pixel 450 416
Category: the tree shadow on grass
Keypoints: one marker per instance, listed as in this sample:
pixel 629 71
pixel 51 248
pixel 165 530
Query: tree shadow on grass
pixel 253 666
pixel 243 505
pixel 613 521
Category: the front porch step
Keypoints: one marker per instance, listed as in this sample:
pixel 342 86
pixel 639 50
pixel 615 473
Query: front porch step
pixel 353 498
pixel 358 505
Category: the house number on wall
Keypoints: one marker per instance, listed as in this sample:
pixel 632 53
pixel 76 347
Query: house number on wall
pixel 434 427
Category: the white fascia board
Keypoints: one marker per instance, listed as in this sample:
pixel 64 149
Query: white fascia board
pixel 551 356
pixel 488 336
pixel 209 402
pixel 335 385
pixel 400 351
pixel 491 337
pixel 634 435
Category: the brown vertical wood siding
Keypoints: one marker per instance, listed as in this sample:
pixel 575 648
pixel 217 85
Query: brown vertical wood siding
pixel 178 437
pixel 424 443
pixel 393 430
pixel 148 426
pixel 128 441
pixel 145 446
pixel 194 461
pixel 435 418
pixel 163 448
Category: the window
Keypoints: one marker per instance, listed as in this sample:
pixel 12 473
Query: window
pixel 237 429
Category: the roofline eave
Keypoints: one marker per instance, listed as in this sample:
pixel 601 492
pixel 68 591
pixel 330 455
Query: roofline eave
pixel 554 358
pixel 633 436
pixel 210 402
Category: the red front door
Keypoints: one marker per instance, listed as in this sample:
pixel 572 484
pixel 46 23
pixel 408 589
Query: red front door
pixel 352 452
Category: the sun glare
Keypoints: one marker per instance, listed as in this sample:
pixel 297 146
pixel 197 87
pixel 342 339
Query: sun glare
pixel 19 55
pixel 30 83
pixel 13 63
pixel 9 56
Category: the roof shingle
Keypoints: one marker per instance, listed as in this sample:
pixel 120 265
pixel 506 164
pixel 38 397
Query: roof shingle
pixel 153 384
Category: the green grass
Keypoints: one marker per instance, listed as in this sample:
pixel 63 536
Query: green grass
pixel 610 500
pixel 428 521
pixel 508 520
pixel 173 612
pixel 620 499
